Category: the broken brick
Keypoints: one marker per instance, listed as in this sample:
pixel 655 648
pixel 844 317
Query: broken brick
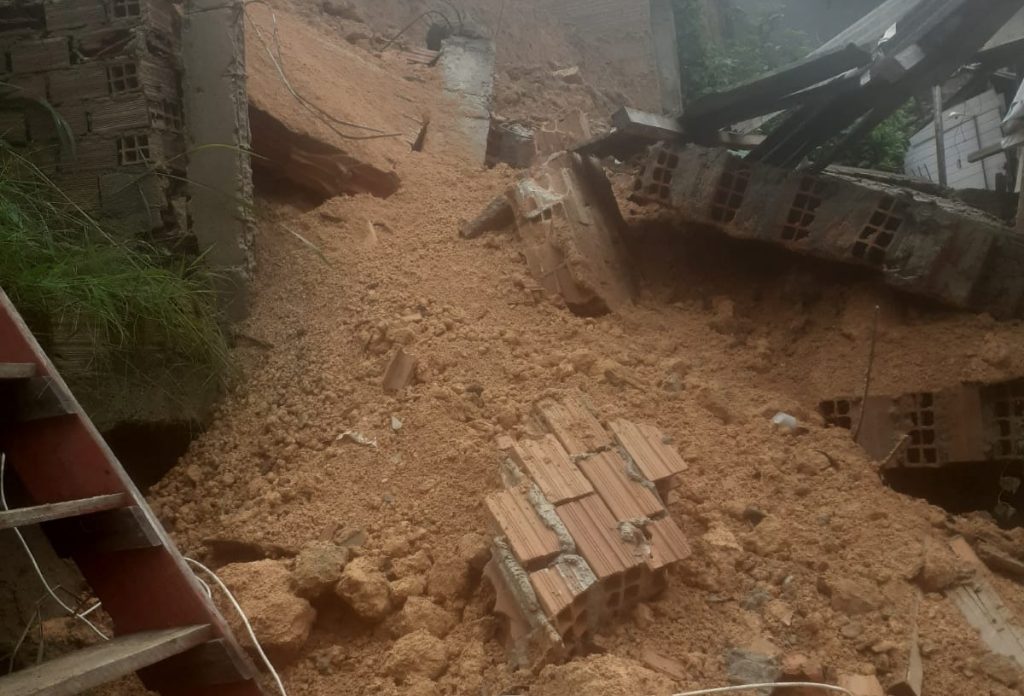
pixel 574 426
pixel 550 467
pixel 532 542
pixel 626 497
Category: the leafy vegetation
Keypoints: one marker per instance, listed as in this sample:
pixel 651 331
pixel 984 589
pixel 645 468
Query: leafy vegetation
pixel 885 148
pixel 63 269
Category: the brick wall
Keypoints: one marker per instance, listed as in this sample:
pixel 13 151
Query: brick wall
pixel 109 67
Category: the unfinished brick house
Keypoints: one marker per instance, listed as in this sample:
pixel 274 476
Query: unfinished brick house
pixel 111 71
pixel 145 87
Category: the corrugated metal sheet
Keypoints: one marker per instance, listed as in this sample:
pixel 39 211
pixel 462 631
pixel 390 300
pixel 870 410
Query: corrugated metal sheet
pixel 969 127
pixel 871 27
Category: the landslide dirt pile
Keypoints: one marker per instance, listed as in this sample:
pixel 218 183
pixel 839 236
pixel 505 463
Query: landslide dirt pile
pixel 360 556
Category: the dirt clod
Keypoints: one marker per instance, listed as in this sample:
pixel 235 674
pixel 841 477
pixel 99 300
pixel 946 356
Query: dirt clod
pixel 364 588
pixel 417 654
pixel 318 568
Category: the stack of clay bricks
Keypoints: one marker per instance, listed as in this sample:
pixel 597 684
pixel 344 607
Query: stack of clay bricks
pixel 581 532
pixel 110 68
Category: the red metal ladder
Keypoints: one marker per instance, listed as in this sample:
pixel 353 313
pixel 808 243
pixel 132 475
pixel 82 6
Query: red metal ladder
pixel 165 626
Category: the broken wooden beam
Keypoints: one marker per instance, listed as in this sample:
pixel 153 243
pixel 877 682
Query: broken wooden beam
pixel 984 609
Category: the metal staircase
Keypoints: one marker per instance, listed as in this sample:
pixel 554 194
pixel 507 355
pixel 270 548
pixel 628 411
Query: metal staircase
pixel 165 626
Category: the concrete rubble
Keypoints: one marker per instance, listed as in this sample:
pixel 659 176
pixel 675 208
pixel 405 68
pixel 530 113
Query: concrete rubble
pixel 581 535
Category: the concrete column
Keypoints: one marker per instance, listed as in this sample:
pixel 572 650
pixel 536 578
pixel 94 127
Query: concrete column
pixel 217 123
pixel 666 56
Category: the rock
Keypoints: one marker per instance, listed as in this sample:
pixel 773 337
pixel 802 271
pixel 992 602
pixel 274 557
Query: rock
pixel 750 667
pixel 318 568
pixel 364 588
pixel 419 613
pixel 418 654
pixel 341 8
pixel 938 569
pixel 448 579
pixel 280 620
pixel 475 550
pixel 853 597
pixel 607 675
pixel 571 75
pixel 753 515
pixel 421 687
pixel 411 586
pixel 1000 668
pixel 416 564
pixel 352 537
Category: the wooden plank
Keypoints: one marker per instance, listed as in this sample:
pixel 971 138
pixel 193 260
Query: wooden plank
pixel 17 370
pixel 102 663
pixel 1000 562
pixel 37 514
pixel 124 529
pixel 984 610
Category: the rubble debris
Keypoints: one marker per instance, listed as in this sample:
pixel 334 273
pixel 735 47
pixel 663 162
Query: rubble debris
pixel 570 227
pixel 861 684
pixel 401 372
pixel 560 134
pixel 365 589
pixel 999 561
pixel 318 568
pixel 285 157
pixel 467 72
pixel 984 610
pixel 498 215
pixel 921 244
pixel 356 437
pixel 561 569
pixel 964 423
pixel 417 654
pixel 911 684
pixel 510 143
pixel 663 664
pixel 280 620
pixel 751 667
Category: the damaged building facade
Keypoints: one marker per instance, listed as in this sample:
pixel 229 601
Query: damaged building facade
pixel 133 150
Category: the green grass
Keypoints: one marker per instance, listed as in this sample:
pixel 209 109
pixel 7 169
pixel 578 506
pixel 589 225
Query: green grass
pixel 61 268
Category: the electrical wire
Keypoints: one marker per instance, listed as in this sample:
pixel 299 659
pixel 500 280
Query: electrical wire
pixel 770 685
pixel 35 564
pixel 245 620
pixel 278 62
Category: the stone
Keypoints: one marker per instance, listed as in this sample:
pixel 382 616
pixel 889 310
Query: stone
pixel 364 588
pixel 938 569
pixel 411 586
pixel 280 619
pixel 419 613
pixel 853 597
pixel 318 568
pixel 475 550
pixel 448 579
pixel 416 564
pixel 750 667
pixel 1000 668
pixel 416 655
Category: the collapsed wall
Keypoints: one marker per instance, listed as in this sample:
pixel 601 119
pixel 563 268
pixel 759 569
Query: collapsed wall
pixel 919 243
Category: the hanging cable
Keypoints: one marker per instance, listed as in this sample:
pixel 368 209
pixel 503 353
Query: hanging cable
pixel 769 685
pixel 278 62
pixel 35 564
pixel 245 620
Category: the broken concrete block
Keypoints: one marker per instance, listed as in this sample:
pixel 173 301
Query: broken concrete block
pixel 498 215
pixel 571 230
pixel 400 373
